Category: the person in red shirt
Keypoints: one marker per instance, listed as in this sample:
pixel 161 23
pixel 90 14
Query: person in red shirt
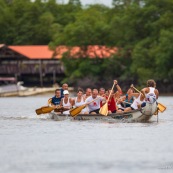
pixel 112 108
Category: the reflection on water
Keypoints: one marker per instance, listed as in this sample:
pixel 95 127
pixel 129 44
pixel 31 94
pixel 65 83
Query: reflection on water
pixel 29 143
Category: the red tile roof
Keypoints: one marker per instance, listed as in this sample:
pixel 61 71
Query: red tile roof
pixel 33 52
pixel 43 51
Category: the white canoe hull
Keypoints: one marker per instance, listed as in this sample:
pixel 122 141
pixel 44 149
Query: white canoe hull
pixel 142 115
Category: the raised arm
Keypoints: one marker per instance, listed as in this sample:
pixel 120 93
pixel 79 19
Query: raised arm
pixel 118 93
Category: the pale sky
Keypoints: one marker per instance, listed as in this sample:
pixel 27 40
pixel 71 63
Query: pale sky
pixel 85 2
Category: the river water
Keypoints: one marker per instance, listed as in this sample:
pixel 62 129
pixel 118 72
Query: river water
pixel 29 143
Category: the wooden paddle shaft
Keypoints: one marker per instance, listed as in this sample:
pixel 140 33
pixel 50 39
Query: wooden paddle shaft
pixel 111 92
pixel 136 89
pixel 127 102
pixel 91 101
pixel 75 111
pixel 104 108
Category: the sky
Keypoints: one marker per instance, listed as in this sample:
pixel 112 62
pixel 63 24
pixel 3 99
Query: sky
pixel 85 2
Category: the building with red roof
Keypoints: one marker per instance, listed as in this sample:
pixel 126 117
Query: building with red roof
pixel 44 52
pixel 40 62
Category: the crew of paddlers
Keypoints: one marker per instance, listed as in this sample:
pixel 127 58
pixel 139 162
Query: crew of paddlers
pixel 95 99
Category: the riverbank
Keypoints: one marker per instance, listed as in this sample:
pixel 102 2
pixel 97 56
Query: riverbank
pixel 30 92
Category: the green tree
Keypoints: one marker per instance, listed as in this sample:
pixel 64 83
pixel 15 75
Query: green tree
pixel 152 55
pixel 89 28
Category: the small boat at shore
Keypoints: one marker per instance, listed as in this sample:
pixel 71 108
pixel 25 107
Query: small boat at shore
pixel 140 115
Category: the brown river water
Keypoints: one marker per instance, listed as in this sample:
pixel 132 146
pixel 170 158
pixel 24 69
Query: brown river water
pixel 37 144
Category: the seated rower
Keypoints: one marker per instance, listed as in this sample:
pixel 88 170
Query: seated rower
pixel 126 100
pixel 151 93
pixel 55 101
pixel 66 102
pixel 94 106
pixel 148 94
pixel 79 101
pixel 88 92
pixel 136 103
pixel 64 87
pixel 102 92
pixel 112 107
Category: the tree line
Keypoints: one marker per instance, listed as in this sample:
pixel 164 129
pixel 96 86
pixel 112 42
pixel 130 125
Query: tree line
pixel 141 29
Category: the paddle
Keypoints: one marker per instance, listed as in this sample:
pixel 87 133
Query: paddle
pixel 46 109
pixel 104 108
pixel 75 111
pixel 160 106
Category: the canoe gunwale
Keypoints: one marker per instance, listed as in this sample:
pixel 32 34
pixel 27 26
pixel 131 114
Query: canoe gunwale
pixel 109 115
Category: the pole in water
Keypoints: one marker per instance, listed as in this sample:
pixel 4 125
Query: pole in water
pixel 157 117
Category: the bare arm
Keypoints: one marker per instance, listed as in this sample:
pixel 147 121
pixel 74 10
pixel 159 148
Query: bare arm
pixel 72 101
pixel 61 103
pixel 118 87
pixel 103 99
pixel 49 102
pixel 121 99
pixel 134 95
pixel 157 93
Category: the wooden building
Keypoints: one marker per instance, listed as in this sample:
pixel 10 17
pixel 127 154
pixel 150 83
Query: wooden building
pixel 34 65
pixel 38 65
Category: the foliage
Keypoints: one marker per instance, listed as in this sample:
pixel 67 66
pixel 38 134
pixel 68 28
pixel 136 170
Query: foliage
pixel 141 29
pixel 86 72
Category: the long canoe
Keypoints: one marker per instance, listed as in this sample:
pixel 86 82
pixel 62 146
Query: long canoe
pixel 140 115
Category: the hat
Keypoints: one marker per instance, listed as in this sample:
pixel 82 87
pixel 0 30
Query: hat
pixel 65 92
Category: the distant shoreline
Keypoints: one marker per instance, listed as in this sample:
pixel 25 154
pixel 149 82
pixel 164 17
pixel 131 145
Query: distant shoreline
pixel 166 94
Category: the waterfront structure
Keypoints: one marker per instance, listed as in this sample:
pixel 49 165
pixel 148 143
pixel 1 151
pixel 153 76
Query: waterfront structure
pixel 39 65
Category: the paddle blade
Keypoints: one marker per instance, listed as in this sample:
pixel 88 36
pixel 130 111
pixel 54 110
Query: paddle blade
pixel 44 110
pixel 161 107
pixel 38 111
pixel 75 111
pixel 104 109
pixel 47 109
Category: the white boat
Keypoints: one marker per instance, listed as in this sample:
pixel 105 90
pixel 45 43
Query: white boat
pixel 140 115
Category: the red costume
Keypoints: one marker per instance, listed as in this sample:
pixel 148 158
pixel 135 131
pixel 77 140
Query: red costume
pixel 112 105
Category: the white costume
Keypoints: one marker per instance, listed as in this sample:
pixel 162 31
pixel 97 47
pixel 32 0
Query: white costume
pixel 68 104
pixel 151 96
pixel 82 102
pixel 136 102
pixel 95 104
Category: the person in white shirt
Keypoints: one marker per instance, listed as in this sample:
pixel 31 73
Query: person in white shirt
pixel 66 102
pixel 148 94
pixel 94 106
pixel 151 93
pixel 79 101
